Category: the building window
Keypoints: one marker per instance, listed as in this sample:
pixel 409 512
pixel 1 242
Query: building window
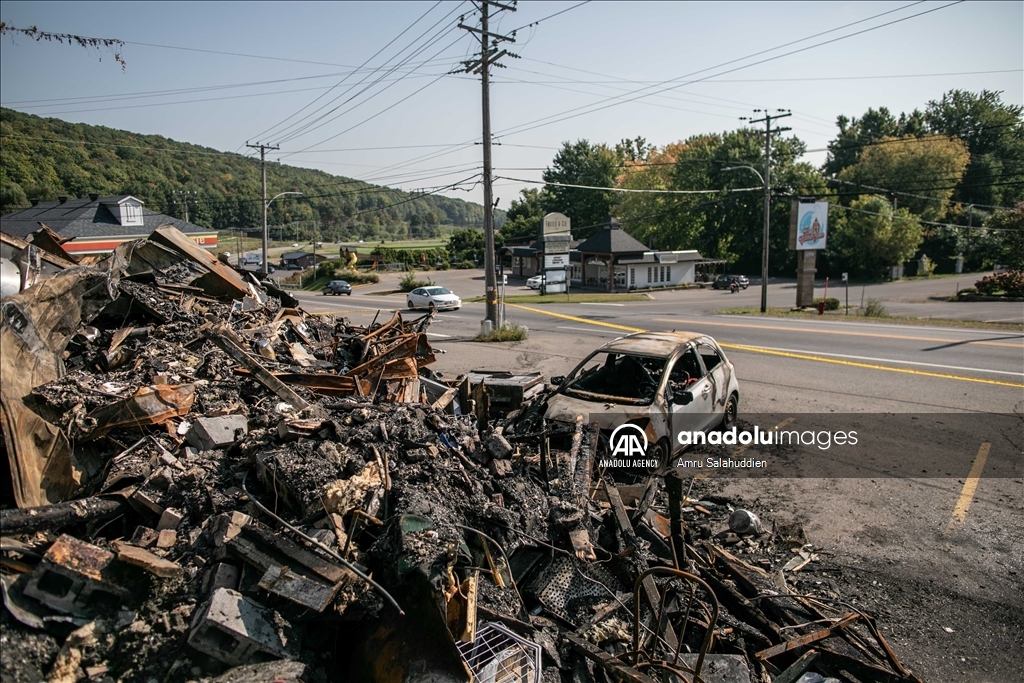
pixel 649 281
pixel 632 277
pixel 668 273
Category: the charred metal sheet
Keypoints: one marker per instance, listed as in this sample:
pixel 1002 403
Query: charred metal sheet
pixel 34 332
pixel 148 406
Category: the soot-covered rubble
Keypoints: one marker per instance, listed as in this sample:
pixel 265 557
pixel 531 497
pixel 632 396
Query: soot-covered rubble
pixel 206 483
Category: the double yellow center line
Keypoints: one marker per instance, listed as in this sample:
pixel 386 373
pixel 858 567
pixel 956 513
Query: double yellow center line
pixel 799 356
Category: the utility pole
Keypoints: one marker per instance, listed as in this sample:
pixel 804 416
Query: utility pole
pixel 263 172
pixel 489 55
pixel 767 120
pixel 181 197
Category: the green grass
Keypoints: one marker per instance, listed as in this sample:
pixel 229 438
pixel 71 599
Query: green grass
pixel 855 317
pixel 508 332
pixel 570 299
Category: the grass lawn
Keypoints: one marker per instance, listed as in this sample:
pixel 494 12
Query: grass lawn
pixel 570 299
pixel 854 317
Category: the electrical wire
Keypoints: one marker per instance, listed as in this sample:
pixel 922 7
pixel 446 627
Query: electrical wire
pixel 313 124
pixel 628 190
pixel 361 66
pixel 592 108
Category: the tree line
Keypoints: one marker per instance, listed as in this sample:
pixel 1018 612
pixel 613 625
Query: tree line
pixel 44 157
pixel 937 183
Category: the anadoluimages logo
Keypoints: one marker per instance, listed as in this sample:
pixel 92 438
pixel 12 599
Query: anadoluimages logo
pixel 628 441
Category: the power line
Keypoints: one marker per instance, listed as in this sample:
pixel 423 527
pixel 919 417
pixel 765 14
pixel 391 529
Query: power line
pixel 569 114
pixel 361 66
pixel 312 125
pixel 628 190
pixel 762 80
pixel 550 16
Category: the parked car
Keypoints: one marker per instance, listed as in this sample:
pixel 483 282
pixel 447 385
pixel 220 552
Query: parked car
pixel 337 288
pixel 437 298
pixel 663 382
pixel 535 282
pixel 724 281
pixel 252 260
pixel 293 265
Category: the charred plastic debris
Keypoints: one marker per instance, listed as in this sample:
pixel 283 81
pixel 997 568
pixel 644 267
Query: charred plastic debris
pixel 210 484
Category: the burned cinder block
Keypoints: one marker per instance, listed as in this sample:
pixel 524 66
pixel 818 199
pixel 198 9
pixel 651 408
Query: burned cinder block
pixel 220 575
pixel 500 468
pixel 234 629
pixel 75 577
pixel 299 589
pixel 211 433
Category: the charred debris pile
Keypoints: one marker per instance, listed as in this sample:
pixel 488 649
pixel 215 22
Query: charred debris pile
pixel 206 483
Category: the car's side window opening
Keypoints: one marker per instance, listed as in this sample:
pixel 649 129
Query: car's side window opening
pixel 710 356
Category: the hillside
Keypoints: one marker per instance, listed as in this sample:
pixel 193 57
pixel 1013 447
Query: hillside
pixel 226 186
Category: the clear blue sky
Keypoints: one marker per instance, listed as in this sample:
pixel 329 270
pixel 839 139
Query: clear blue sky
pixel 579 59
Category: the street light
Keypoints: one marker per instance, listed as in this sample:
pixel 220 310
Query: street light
pixel 764 252
pixel 266 208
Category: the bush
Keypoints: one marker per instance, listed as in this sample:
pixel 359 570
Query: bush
pixel 335 270
pixel 831 303
pixel 505 333
pixel 1010 283
pixel 409 283
pixel 875 309
pixel 465 265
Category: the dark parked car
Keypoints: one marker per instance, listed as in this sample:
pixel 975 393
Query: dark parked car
pixel 337 288
pixel 724 281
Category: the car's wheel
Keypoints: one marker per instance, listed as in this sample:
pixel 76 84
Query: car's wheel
pixel 731 410
pixel 348 293
pixel 660 452
pixel 432 307
pixel 409 304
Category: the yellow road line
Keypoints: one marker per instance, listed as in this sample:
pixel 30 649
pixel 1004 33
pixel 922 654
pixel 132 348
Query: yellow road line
pixel 963 503
pixel 788 354
pixel 871 366
pixel 841 332
pixel 578 320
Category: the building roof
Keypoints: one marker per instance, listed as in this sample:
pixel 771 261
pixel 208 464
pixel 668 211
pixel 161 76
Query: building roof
pixel 612 239
pixel 294 255
pixel 86 218
pixel 668 257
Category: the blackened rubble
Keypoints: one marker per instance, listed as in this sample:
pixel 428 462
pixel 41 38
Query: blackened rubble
pixel 218 486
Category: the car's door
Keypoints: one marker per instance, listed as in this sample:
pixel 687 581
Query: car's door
pixel 417 297
pixel 717 374
pixel 690 389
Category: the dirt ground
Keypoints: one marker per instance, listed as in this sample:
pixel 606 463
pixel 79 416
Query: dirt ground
pixel 949 601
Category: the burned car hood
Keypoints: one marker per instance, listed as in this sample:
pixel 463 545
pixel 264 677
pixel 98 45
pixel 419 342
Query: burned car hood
pixel 562 408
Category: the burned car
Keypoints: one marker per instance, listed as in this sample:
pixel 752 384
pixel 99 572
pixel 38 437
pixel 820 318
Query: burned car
pixel 663 382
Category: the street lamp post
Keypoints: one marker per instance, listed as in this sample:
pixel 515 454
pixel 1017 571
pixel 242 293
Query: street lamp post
pixel 764 251
pixel 266 208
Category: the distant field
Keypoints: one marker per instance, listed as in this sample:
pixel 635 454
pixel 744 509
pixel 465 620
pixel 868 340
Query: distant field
pixel 228 242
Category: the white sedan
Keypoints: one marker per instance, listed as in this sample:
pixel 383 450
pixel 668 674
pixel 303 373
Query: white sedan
pixel 436 298
pixel 535 282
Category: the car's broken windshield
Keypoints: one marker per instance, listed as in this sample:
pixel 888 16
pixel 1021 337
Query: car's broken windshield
pixel 617 377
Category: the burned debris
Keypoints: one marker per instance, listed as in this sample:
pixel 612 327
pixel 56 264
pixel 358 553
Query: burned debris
pixel 211 484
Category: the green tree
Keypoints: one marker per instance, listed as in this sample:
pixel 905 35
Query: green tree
pixel 926 169
pixel 725 224
pixel 1008 227
pixel 581 163
pixel 874 236
pixel 994 134
pixel 856 135
pixel 524 216
pixel 12 197
pixel 465 244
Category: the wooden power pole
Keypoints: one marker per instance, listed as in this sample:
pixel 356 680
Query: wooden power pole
pixel 263 172
pixel 489 55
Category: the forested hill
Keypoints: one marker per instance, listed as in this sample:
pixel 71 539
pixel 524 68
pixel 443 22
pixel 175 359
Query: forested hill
pixel 44 157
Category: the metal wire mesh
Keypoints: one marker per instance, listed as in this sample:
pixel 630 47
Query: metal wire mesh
pixel 500 656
